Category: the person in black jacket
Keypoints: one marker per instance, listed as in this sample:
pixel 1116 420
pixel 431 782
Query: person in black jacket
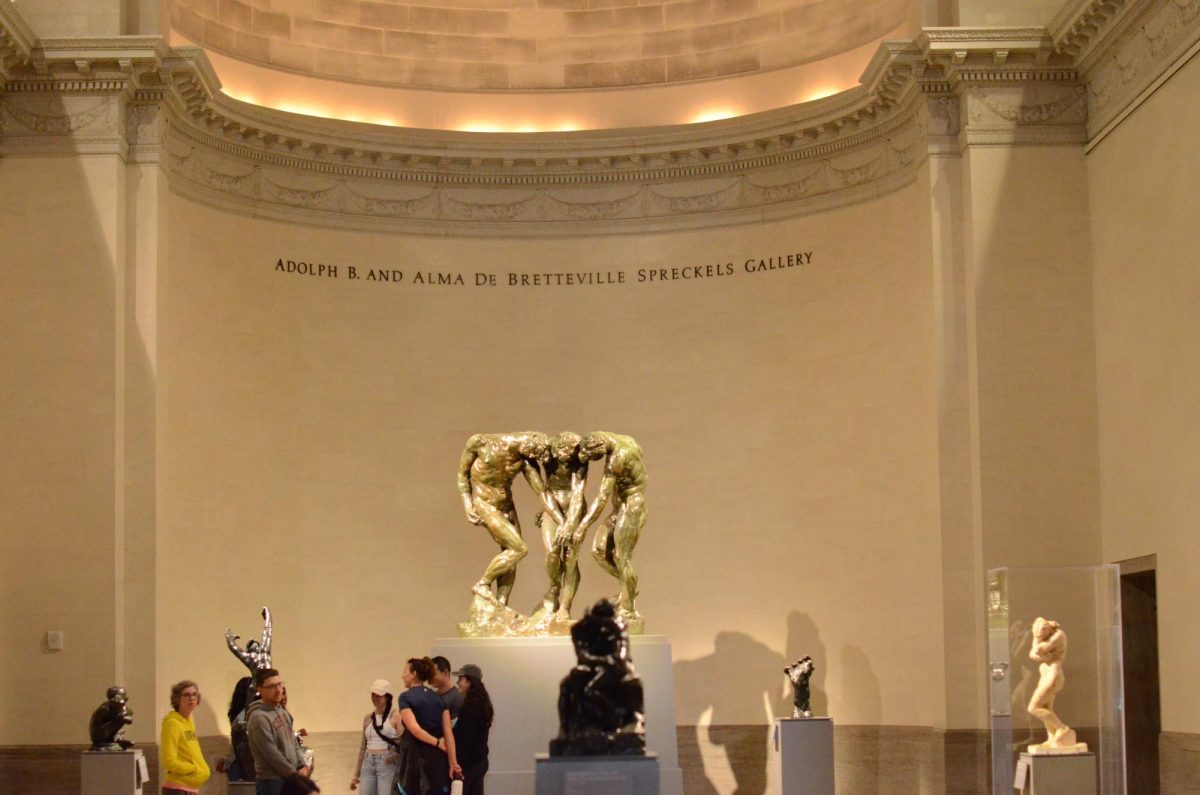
pixel 472 727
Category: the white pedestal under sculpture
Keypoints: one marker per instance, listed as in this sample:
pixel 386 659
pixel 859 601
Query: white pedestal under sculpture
pixel 113 772
pixel 806 755
pixel 597 775
pixel 523 674
pixel 1051 774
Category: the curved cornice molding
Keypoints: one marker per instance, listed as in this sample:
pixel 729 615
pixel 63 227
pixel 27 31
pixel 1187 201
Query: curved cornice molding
pixel 765 165
pixel 17 42
pixel 957 57
pixel 70 95
pixel 530 207
pixel 139 98
pixel 1082 27
pixel 578 159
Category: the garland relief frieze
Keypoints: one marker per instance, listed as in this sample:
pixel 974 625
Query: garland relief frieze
pixel 51 122
pixel 224 178
pixel 1140 57
pixel 1033 113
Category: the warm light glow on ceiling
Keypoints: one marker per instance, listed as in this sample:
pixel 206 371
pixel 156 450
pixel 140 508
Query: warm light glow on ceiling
pixel 714 114
pixel 820 93
pixel 536 112
pixel 308 110
pixel 318 112
pixel 249 99
pixel 524 127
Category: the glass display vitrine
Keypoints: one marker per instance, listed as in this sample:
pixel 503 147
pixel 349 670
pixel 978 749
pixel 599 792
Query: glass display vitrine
pixel 1085 601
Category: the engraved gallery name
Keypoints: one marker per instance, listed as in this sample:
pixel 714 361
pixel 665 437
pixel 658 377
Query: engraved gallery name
pixel 751 265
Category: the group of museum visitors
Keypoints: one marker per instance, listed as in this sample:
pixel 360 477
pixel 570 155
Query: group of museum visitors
pixel 416 743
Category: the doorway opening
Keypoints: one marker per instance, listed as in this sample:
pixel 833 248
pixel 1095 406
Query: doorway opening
pixel 1139 648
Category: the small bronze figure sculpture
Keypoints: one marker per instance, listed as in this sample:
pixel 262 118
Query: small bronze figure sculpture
pixel 109 721
pixel 799 673
pixel 257 654
pixel 600 701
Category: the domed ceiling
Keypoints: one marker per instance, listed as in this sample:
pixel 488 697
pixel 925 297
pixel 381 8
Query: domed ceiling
pixel 535 45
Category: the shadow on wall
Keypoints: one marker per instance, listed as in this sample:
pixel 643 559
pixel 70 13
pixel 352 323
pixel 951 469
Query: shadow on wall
pixel 75 349
pixel 858 755
pixel 739 723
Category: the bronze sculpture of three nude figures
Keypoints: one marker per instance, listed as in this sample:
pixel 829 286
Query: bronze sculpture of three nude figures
pixel 556 469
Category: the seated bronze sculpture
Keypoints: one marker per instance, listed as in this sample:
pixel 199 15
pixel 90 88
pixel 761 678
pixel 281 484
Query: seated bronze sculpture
pixel 109 721
pixel 600 701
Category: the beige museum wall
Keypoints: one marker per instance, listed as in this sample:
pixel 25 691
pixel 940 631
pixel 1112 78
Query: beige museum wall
pixel 78 480
pixel 309 430
pixel 1032 355
pixel 1148 348
pixel 56 489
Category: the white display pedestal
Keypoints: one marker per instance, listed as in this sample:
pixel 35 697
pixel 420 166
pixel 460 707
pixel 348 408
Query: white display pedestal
pixel 597 775
pixel 113 772
pixel 522 676
pixel 1055 774
pixel 806 756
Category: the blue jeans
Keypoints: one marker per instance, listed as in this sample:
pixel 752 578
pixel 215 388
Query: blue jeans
pixel 378 775
pixel 270 786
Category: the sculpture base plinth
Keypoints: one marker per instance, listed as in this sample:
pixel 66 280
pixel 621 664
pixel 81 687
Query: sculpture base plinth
pixel 113 772
pixel 806 756
pixel 487 618
pixel 1057 750
pixel 597 775
pixel 1053 774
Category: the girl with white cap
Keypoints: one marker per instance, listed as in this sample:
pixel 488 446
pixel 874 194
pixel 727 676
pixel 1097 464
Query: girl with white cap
pixel 378 760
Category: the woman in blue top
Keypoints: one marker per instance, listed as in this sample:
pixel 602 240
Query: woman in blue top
pixel 428 760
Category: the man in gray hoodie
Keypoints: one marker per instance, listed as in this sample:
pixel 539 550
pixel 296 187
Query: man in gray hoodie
pixel 272 742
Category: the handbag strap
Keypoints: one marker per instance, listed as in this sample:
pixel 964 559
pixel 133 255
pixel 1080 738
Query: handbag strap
pixel 378 727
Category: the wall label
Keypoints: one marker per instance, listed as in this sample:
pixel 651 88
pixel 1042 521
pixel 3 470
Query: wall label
pixel 420 278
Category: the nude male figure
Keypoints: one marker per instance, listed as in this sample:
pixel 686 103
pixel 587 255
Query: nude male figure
pixel 625 483
pixel 566 475
pixel 489 465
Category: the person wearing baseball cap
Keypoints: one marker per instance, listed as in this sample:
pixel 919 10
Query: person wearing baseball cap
pixel 470 669
pixel 378 757
pixel 471 729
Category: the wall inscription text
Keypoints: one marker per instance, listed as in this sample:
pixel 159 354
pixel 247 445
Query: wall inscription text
pixel 543 279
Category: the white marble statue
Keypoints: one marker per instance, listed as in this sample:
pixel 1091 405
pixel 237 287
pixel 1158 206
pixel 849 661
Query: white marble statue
pixel 1049 649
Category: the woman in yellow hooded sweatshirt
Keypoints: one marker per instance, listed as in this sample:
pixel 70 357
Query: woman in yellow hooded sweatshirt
pixel 184 768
